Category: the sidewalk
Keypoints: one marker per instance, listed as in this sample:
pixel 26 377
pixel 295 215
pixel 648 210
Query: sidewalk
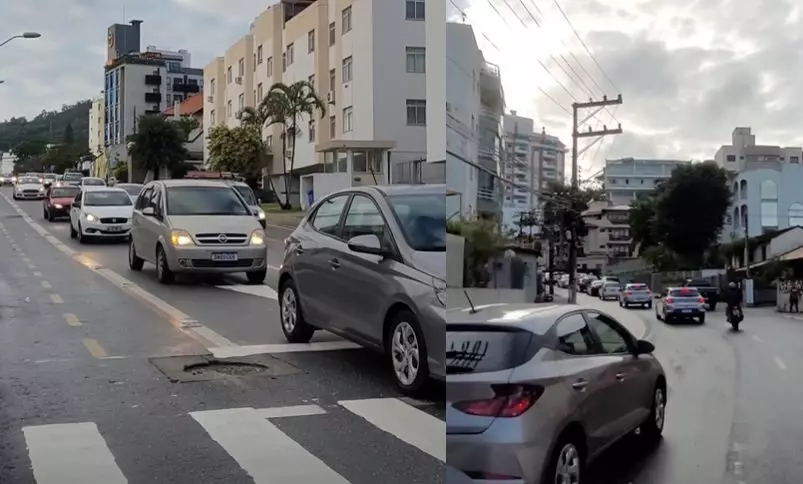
pixel 628 318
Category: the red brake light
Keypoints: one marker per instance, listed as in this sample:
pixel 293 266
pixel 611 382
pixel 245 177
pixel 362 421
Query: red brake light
pixel 669 300
pixel 510 401
pixel 701 300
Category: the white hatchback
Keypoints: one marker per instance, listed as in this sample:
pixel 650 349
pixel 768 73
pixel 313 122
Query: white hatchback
pixel 609 290
pixel 101 212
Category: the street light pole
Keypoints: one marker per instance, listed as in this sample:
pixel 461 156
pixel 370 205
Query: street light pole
pixel 24 35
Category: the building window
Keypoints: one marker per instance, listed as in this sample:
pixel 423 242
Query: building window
pixel 332 80
pixel 269 66
pixel 310 41
pixel 240 102
pixel 311 130
pixel 259 54
pixel 269 141
pixel 796 214
pixel 212 117
pixel 347 69
pixel 255 63
pixel 730 157
pixel 260 93
pixel 794 159
pixel 332 34
pixel 228 109
pixel 284 61
pixel 228 75
pixel 769 204
pixel 414 9
pixel 743 190
pixel 332 127
pixel 416 60
pixel 347 119
pixel 416 112
pixel 346 20
pixel 290 49
pixel 212 87
pixel 311 80
pixel 241 67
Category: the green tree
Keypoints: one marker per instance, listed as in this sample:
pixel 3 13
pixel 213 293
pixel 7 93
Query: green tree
pixel 69 135
pixel 562 207
pixel 286 105
pixel 690 210
pixel 157 144
pixel 642 221
pixel 185 124
pixel 240 150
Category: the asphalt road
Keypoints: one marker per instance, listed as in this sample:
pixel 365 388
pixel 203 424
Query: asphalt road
pixel 735 409
pixel 93 386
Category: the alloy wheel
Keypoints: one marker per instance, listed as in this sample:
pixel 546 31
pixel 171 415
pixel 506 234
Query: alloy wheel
pixel 567 470
pixel 405 354
pixel 659 404
pixel 289 310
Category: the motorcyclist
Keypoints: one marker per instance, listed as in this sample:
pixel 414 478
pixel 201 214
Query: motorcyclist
pixel 734 299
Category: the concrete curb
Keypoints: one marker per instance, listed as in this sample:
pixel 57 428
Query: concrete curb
pixel 630 320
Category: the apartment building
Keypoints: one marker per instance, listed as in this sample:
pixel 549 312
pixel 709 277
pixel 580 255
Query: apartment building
pixel 97 112
pixel 608 236
pixel 365 58
pixel 182 81
pixel 626 178
pixel 532 160
pixel 743 152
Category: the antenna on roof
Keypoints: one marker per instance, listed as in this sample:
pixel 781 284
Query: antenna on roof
pixel 471 304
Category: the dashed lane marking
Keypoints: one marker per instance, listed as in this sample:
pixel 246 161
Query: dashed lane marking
pixel 46 285
pixel 94 348
pixel 755 338
pixel 72 319
pixel 780 363
pixel 37 274
pixel 56 299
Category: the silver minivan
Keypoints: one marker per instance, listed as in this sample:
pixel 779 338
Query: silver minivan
pixel 369 264
pixel 196 227
pixel 534 393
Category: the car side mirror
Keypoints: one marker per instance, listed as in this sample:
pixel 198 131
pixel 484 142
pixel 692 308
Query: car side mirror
pixel 644 347
pixel 367 244
pixel 259 200
pixel 149 212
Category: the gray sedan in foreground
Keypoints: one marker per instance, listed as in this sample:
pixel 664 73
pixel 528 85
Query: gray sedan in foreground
pixel 369 264
pixel 534 393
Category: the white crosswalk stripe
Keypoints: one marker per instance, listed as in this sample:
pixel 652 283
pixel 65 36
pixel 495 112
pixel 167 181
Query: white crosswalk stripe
pixel 77 453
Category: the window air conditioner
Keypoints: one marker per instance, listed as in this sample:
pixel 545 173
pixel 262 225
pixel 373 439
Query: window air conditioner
pixel 210 99
pixel 238 80
pixel 330 97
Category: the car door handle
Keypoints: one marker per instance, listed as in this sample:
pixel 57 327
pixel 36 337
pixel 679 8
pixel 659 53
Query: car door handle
pixel 580 385
pixel 334 263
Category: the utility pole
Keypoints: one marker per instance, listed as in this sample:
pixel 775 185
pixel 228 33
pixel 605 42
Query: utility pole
pixel 576 135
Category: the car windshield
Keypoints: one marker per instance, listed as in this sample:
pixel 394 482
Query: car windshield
pixel 204 200
pixel 247 194
pixel 64 192
pixel 93 182
pixel 422 219
pixel 131 189
pixel 29 180
pixel 72 176
pixel 50 176
pixel 637 287
pixel 106 198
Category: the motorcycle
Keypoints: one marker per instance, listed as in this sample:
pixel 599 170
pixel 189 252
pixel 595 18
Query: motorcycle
pixel 736 317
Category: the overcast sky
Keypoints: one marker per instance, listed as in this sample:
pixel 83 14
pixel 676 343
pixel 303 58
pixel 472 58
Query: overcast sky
pixel 65 65
pixel 689 71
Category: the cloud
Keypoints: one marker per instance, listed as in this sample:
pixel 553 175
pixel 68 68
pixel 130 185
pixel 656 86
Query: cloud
pixel 65 65
pixel 689 71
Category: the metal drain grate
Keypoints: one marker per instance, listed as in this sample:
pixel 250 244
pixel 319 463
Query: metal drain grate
pixel 230 369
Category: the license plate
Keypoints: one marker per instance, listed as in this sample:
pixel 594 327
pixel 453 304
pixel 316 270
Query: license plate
pixel 114 229
pixel 687 310
pixel 224 257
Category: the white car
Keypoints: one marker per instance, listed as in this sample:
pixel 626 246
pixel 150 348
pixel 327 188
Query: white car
pixel 609 290
pixel 91 181
pixel 101 212
pixel 29 188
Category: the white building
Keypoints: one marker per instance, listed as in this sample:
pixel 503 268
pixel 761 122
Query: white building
pixel 182 80
pixel 96 126
pixel 743 152
pixel 626 178
pixel 532 160
pixel 376 115
pixel 7 162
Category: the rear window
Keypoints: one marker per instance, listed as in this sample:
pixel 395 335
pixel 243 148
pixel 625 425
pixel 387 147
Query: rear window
pixel 479 350
pixel 698 282
pixel 637 287
pixel 684 292
pixel 64 192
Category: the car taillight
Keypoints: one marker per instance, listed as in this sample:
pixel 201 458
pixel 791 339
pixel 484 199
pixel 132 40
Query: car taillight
pixel 701 300
pixel 510 401
pixel 669 300
pixel 627 293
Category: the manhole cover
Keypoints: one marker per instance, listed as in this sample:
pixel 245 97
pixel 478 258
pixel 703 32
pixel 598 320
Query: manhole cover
pixel 206 367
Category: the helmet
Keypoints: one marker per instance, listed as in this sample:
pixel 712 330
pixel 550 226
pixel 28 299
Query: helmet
pixel 731 284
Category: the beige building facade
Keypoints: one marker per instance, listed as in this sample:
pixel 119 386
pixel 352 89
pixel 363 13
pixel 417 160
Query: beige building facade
pixel 366 61
pixel 608 235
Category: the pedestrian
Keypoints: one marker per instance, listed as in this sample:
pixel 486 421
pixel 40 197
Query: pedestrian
pixel 794 297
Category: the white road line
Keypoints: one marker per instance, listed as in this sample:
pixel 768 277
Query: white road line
pixel 261 290
pixel 294 411
pixel 247 350
pixel 405 422
pixel 755 338
pixel 71 454
pixel 780 363
pixel 46 285
pixel 266 453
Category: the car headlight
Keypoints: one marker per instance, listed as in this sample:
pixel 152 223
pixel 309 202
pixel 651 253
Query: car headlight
pixel 90 218
pixel 261 214
pixel 257 237
pixel 41 189
pixel 58 205
pixel 180 238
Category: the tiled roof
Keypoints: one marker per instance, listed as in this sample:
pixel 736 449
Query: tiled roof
pixel 192 105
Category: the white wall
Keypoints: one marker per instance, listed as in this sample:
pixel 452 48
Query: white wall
pixel 436 80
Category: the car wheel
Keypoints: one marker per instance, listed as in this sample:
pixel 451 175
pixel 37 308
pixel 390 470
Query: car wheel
pixel 294 326
pixel 82 239
pixel 407 352
pixel 702 319
pixel 163 272
pixel 73 232
pixel 713 306
pixel 256 277
pixel 653 427
pixel 50 216
pixel 135 263
pixel 566 463
pixel 649 305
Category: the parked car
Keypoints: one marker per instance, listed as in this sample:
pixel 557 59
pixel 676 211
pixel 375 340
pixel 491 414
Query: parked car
pixel 636 293
pixel 369 263
pixel 100 213
pixel 58 201
pixel 709 292
pixel 609 290
pixel 679 303
pixel 534 393
pixel 29 188
pixel 195 227
pixel 594 287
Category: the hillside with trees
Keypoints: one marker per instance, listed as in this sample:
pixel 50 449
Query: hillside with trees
pixel 49 127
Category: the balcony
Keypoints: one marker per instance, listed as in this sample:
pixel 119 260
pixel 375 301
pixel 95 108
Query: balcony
pixel 618 220
pixel 153 80
pixel 187 88
pixel 153 97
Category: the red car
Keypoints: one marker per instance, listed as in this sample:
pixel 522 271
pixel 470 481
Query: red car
pixel 58 200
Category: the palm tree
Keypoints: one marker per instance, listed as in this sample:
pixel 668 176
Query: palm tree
pixel 286 105
pixel 157 144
